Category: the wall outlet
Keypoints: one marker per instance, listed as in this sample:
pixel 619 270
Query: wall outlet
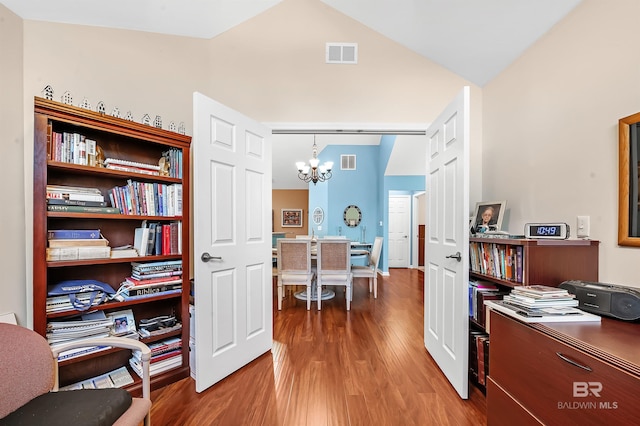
pixel 583 229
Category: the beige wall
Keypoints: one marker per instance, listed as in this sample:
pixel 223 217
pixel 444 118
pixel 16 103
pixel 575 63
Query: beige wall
pixel 290 199
pixel 550 127
pixel 270 68
pixel 13 253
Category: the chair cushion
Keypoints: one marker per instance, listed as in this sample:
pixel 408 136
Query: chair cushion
pixel 335 278
pixel 86 407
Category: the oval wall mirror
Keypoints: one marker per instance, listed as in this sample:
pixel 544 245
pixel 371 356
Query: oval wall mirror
pixel 352 216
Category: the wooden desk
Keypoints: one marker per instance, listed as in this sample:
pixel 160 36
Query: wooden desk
pixel 530 382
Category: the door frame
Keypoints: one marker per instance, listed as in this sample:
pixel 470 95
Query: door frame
pixel 415 216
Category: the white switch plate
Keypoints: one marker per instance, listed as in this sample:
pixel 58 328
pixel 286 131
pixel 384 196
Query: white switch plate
pixel 583 229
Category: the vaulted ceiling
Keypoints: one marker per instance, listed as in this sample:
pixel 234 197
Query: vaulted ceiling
pixel 475 39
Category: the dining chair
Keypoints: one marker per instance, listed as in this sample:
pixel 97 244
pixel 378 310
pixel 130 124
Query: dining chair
pixel 294 266
pixel 370 271
pixel 334 266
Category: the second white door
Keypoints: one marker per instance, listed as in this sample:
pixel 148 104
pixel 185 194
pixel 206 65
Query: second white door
pixel 399 230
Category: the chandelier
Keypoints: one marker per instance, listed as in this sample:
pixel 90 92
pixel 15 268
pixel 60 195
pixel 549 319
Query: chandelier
pixel 314 172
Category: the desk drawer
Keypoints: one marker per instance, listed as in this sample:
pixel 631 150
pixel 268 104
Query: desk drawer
pixel 503 410
pixel 528 365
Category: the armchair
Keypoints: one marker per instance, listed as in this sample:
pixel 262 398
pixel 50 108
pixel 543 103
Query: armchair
pixel 29 385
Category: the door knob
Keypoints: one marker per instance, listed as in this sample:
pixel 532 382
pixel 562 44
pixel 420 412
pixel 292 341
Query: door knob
pixel 456 256
pixel 207 257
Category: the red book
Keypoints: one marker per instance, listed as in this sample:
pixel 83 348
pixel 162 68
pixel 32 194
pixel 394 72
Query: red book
pixel 166 239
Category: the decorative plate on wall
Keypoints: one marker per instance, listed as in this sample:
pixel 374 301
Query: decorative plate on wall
pixel 318 215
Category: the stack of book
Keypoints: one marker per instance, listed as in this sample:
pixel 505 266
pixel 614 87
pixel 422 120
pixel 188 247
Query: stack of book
pixel 165 355
pixel 541 303
pixel 152 279
pixel 89 326
pixel 77 199
pixel 77 244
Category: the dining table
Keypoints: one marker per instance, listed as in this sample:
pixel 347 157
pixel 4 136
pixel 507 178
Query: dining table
pixel 358 251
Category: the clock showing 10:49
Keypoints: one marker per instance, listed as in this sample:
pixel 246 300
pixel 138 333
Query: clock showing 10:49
pixel 318 215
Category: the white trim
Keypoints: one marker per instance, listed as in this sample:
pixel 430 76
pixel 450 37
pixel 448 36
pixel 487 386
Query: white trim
pixel 349 128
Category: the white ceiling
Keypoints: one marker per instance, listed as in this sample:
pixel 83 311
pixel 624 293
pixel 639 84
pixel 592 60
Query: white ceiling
pixel 475 39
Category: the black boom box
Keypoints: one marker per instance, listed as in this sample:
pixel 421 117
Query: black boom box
pixel 605 299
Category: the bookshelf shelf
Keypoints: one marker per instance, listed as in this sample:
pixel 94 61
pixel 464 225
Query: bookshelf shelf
pixel 89 170
pixel 134 143
pixel 548 262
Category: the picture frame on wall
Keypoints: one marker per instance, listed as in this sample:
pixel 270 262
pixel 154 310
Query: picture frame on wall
pixel 488 216
pixel 291 218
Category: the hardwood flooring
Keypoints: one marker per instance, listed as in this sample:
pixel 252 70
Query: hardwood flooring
pixel 333 367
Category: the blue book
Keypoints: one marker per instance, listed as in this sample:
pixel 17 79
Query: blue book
pixel 74 234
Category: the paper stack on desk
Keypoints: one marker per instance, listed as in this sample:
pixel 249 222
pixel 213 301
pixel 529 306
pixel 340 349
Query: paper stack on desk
pixel 540 303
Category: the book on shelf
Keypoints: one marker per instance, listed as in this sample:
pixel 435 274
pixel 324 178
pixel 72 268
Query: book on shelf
pixel 117 378
pixel 63 303
pixel 539 303
pixel 121 297
pixel 78 352
pixel 68 189
pixel 155 289
pixel 77 253
pixel 67 202
pixel 158 367
pixel 78 242
pixel 175 279
pixel 541 290
pixel 158 266
pixel 141 240
pixel 123 252
pixel 82 209
pixel 140 276
pixel 53 234
pixel 144 333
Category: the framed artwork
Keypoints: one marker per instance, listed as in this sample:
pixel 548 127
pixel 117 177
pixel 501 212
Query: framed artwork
pixel 488 216
pixel 292 218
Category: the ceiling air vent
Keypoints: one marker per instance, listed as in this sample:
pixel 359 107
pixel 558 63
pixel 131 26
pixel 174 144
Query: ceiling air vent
pixel 348 162
pixel 342 53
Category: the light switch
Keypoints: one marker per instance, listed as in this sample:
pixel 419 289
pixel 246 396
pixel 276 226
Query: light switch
pixel 583 228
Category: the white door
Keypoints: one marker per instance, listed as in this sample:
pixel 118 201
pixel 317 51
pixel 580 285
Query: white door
pixel 446 276
pixel 232 225
pixel 399 230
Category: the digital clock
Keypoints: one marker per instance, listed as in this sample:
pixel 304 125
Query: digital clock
pixel 555 231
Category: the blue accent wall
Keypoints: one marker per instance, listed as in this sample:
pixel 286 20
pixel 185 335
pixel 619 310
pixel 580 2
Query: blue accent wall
pixel 365 187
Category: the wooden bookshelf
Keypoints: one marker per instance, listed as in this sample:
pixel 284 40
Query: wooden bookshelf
pixel 126 140
pixel 548 262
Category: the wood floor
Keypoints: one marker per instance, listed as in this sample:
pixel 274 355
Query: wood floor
pixel 333 367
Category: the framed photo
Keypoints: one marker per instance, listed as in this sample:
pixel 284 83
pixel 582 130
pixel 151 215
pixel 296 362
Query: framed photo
pixel 292 218
pixel 488 216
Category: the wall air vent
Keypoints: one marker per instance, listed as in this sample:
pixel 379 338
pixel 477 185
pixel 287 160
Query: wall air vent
pixel 342 53
pixel 348 162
